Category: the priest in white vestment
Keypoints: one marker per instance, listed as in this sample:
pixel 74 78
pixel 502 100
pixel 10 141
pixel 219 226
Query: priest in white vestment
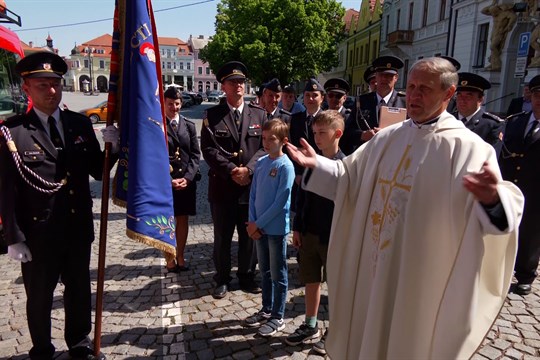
pixel 424 232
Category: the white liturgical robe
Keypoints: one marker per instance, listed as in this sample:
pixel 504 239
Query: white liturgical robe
pixel 416 270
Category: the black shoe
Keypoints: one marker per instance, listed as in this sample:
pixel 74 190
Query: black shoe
pixel 220 291
pixel 85 353
pixel 250 286
pixel 523 289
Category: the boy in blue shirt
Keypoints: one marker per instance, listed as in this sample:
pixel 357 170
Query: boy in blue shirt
pixel 311 230
pixel 268 226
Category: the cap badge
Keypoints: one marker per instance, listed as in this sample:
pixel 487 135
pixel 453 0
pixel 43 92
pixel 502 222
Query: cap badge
pixel 46 66
pixel 336 86
pixel 314 86
pixel 464 82
pixel 389 65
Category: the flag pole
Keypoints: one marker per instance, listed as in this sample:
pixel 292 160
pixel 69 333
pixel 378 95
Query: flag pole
pixel 112 103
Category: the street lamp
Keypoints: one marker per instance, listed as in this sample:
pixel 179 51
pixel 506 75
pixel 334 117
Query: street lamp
pixel 89 52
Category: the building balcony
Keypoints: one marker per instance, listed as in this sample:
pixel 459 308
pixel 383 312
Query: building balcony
pixel 400 37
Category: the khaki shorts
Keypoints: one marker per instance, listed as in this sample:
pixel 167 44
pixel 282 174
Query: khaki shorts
pixel 312 259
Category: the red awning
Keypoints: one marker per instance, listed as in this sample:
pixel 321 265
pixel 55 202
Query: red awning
pixel 10 41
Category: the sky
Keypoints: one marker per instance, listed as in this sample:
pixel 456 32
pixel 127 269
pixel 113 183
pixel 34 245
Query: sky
pixel 174 18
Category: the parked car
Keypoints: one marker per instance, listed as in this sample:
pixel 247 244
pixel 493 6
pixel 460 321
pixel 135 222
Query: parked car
pixel 203 95
pixel 96 113
pixel 187 101
pixel 197 99
pixel 215 96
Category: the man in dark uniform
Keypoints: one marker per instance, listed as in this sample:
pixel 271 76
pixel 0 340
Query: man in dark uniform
pixel 520 104
pixel 336 94
pixel 271 97
pixel 288 100
pixel 370 78
pixel 364 123
pixel 231 143
pixel 48 216
pixel 469 99
pixel 519 161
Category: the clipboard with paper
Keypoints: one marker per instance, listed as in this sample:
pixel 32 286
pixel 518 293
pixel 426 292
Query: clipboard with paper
pixel 391 115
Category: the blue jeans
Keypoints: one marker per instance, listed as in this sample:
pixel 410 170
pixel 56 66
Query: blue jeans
pixel 272 255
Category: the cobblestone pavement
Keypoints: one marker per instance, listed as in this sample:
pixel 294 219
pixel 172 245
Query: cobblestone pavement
pixel 151 314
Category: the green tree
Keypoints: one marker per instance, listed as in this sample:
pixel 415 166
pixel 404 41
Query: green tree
pixel 287 39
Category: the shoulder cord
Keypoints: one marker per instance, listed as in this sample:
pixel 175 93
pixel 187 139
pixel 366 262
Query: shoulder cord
pixel 227 154
pixel 22 168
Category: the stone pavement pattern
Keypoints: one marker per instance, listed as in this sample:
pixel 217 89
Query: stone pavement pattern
pixel 149 314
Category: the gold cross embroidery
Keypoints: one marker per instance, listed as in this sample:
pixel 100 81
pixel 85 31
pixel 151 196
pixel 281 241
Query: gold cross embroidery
pixel 379 219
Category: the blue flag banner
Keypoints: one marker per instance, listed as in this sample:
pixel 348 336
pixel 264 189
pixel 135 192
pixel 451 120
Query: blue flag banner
pixel 143 182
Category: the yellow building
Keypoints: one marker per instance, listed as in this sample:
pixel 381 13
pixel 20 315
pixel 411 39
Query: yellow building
pixel 363 44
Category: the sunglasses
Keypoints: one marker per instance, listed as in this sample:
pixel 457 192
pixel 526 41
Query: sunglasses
pixel 332 95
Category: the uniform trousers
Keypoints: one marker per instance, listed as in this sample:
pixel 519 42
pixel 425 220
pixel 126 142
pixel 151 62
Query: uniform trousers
pixel 226 217
pixel 69 263
pixel 528 253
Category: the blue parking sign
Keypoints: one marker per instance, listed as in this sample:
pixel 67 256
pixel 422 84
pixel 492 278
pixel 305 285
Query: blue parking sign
pixel 523 45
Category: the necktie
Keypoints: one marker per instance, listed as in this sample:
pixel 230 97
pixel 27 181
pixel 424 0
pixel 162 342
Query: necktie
pixel 174 124
pixel 269 116
pixel 464 120
pixel 532 131
pixel 237 118
pixel 55 134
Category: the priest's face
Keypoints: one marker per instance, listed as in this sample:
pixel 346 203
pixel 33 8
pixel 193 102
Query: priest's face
pixel 426 99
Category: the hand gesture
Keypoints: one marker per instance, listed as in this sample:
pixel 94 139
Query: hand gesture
pixel 483 185
pixel 304 156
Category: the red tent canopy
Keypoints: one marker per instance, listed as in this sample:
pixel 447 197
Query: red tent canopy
pixel 10 41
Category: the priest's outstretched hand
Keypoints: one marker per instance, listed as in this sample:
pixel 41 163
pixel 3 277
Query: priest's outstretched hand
pixel 305 156
pixel 483 185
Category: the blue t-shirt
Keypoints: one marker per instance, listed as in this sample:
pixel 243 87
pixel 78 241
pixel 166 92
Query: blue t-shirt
pixel 270 195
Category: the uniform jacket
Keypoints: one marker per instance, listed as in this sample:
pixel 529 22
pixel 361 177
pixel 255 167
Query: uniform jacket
pixel 184 151
pixel 516 106
pixel 519 164
pixel 488 126
pixel 301 129
pixel 224 148
pixel 29 215
pixel 366 115
pixel 284 115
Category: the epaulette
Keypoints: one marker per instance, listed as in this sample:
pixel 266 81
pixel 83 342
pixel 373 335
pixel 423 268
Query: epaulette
pixel 511 117
pixel 487 115
pixel 346 110
pixel 401 93
pixel 255 106
pixel 188 120
pixel 285 112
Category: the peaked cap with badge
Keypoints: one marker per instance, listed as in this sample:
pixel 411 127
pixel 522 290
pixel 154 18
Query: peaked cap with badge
pixel 387 64
pixel 231 71
pixel 472 82
pixel 289 88
pixel 453 61
pixel 337 85
pixel 534 84
pixel 369 74
pixel 273 85
pixel 41 64
pixel 313 85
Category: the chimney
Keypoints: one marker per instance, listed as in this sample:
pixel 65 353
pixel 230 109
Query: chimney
pixel 31 44
pixel 201 37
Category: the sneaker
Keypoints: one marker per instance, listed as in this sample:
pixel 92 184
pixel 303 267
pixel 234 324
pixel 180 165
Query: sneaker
pixel 271 327
pixel 302 334
pixel 319 345
pixel 257 319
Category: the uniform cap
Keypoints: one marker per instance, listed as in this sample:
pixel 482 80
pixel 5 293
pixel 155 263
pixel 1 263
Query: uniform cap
pixel 231 70
pixel 313 85
pixel 534 84
pixel 472 82
pixel 289 88
pixel 41 64
pixel 337 85
pixel 273 85
pixel 387 64
pixel 369 74
pixel 454 62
